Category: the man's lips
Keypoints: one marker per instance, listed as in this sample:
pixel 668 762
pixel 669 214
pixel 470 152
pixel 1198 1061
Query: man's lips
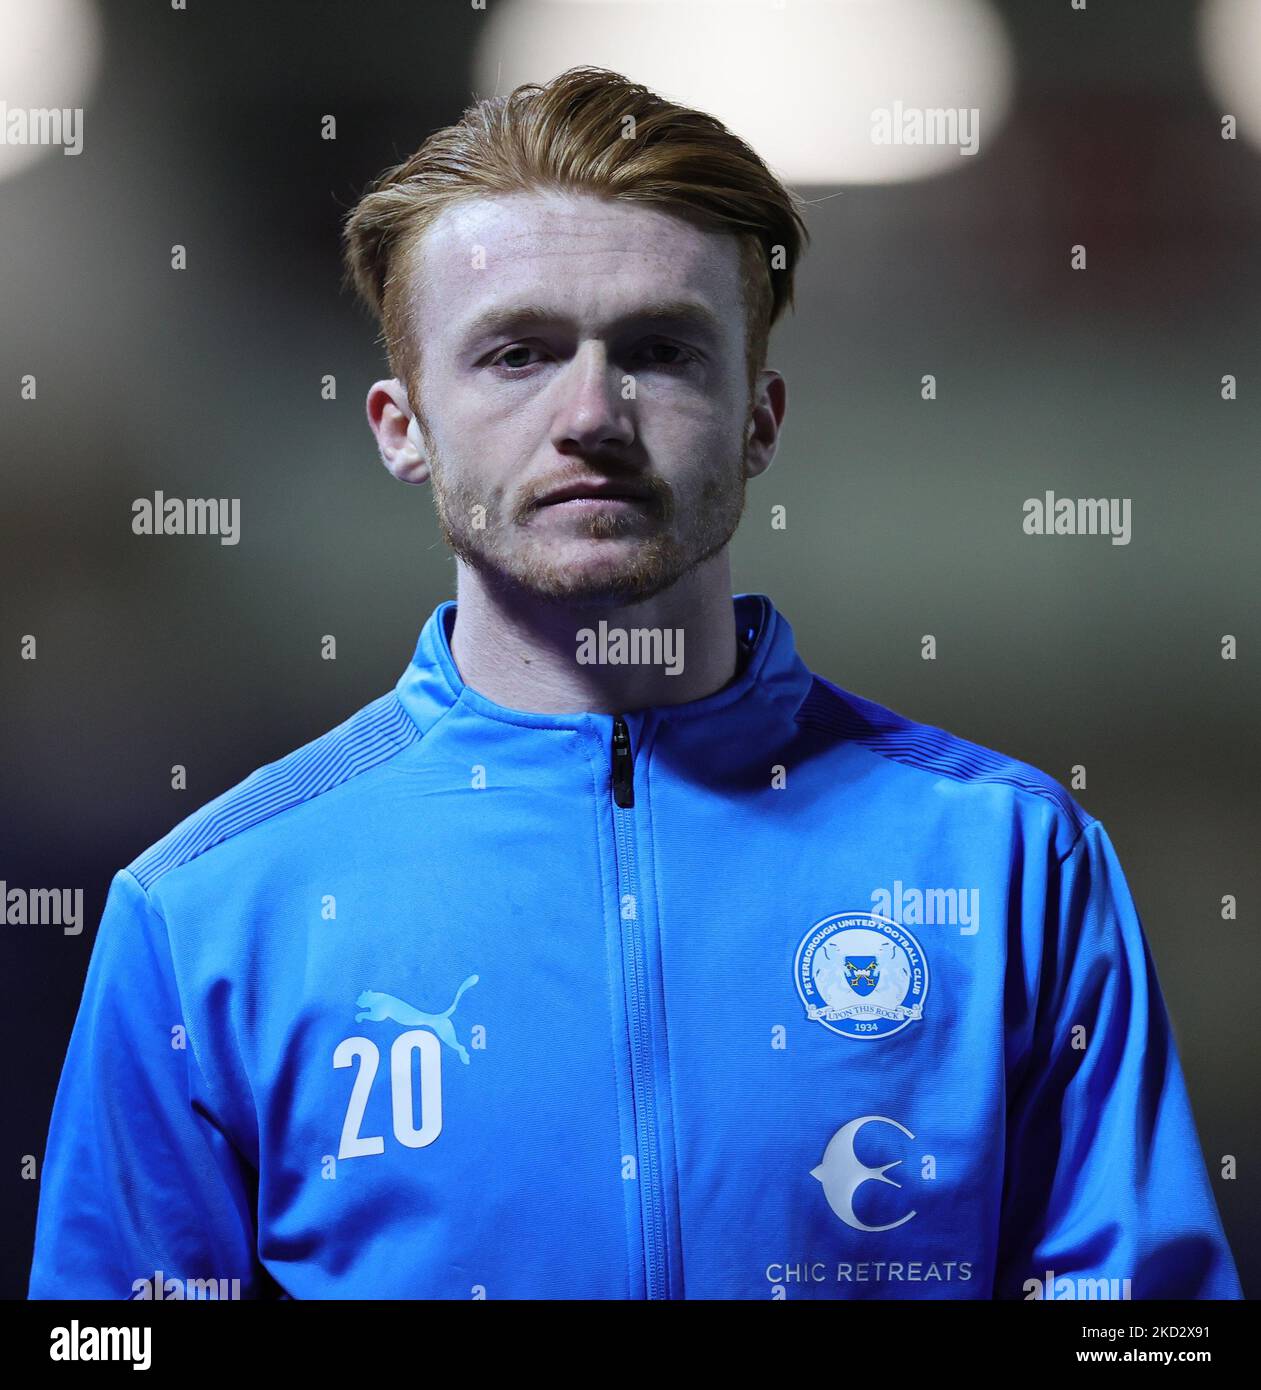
pixel 594 493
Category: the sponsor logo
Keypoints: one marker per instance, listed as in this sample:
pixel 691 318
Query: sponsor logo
pixel 842 1172
pixel 377 1008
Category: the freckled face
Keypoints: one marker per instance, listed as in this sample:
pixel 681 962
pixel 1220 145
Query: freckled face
pixel 571 343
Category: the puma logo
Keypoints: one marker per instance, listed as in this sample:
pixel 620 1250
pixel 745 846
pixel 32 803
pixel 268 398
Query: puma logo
pixel 377 1008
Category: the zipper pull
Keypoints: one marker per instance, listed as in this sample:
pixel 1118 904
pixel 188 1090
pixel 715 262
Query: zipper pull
pixel 623 764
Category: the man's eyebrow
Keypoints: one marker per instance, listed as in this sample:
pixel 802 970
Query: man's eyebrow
pixel 691 314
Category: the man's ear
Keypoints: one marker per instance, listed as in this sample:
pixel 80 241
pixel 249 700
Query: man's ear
pixel 397 431
pixel 765 419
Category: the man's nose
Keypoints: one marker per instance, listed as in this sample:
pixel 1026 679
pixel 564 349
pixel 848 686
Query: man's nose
pixel 591 410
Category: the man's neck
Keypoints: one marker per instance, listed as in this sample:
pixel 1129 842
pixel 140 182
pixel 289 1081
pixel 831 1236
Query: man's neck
pixel 528 655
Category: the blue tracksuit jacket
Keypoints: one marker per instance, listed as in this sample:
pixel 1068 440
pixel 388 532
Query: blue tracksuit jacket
pixel 773 994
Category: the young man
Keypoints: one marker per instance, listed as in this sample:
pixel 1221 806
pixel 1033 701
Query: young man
pixel 582 964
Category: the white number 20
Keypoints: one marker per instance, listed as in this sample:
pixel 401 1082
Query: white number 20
pixel 355 1145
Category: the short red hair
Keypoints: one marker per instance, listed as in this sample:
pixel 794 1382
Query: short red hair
pixel 587 130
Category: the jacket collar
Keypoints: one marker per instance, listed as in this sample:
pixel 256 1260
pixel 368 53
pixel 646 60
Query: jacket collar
pixel 431 686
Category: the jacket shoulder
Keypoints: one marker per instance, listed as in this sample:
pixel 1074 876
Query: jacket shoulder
pixel 912 744
pixel 371 736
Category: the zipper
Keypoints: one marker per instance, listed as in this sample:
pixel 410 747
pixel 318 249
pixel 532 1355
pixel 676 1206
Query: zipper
pixel 623 764
pixel 643 1092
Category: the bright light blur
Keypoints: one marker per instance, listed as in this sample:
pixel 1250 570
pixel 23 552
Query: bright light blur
pixel 50 56
pixel 1229 34
pixel 798 80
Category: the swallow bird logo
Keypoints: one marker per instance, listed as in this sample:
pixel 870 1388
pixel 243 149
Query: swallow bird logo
pixel 842 1172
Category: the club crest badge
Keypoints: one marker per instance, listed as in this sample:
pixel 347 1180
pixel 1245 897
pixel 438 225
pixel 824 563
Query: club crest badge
pixel 861 976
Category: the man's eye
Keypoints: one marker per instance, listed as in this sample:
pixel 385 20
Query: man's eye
pixel 684 358
pixel 516 358
pixel 501 358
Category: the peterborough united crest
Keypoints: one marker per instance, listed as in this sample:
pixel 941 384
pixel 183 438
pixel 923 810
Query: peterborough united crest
pixel 861 975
